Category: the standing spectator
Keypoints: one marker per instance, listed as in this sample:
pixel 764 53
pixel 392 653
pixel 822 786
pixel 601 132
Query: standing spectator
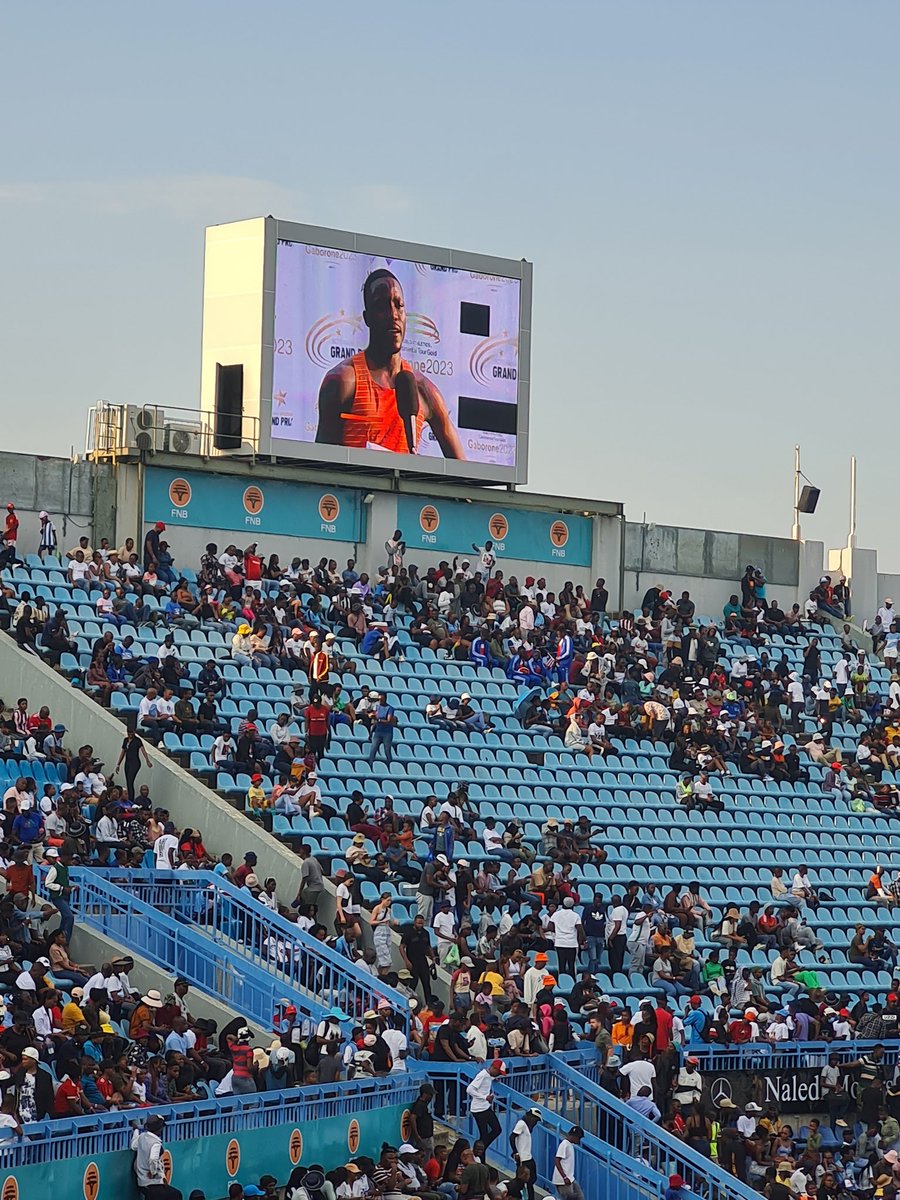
pixel 10 536
pixel 384 721
pixel 616 935
pixel 521 1143
pixel 481 1097
pixel 568 936
pixel 133 749
pixel 563 1178
pixel 47 542
pixel 316 719
pixel 151 545
pixel 149 1167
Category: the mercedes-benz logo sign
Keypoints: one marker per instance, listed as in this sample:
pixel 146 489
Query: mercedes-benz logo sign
pixel 719 1090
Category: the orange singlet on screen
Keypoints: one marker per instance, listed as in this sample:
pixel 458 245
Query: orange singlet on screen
pixel 374 417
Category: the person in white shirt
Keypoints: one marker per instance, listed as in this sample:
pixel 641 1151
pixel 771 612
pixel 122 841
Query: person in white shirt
pixel 616 934
pixel 149 1167
pixel 165 849
pixel 399 1048
pixel 886 614
pixel 796 700
pixel 639 935
pixel 746 1123
pixel 481 1095
pixel 640 1073
pixel 223 749
pixel 445 930
pixel 568 936
pixel 487 559
pixel 563 1177
pixel 94 783
pixel 80 572
pixel 522 1145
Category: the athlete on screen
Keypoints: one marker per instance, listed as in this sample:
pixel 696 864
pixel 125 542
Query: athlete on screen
pixel 375 398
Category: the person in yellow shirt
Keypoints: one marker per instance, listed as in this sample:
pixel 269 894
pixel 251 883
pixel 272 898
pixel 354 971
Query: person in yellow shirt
pixel 71 1013
pixel 256 797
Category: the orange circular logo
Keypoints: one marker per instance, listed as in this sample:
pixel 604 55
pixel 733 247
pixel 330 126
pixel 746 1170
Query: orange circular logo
pixel 429 518
pixel 10 1189
pixel 329 507
pixel 253 500
pixel 295 1146
pixel 233 1157
pixel 180 492
pixel 406 1125
pixel 166 1159
pixel 499 527
pixel 559 533
pixel 90 1185
pixel 353 1136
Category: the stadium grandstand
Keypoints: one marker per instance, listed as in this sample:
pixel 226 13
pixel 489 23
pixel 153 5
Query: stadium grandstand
pixel 438 876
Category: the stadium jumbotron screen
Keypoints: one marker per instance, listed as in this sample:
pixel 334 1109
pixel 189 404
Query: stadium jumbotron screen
pixel 376 355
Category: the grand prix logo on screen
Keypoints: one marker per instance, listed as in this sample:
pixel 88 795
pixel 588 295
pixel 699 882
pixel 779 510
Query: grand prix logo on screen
pixel 495 358
pixel 328 333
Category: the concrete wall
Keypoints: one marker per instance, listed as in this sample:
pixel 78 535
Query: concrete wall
pixel 65 489
pixel 709 564
pixel 189 802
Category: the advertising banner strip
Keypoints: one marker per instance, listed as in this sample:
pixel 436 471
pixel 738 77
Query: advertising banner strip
pixel 200 500
pixel 530 535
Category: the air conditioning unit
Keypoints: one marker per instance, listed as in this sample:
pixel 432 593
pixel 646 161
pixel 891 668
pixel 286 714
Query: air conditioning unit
pixel 182 438
pixel 143 428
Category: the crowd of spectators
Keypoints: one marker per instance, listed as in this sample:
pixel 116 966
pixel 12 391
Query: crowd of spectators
pixel 495 925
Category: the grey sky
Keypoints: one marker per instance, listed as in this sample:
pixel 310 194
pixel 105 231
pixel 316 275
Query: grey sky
pixel 709 192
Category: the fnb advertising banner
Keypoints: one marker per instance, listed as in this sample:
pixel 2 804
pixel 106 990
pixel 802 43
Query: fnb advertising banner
pixel 452 527
pixel 238 503
pixel 349 324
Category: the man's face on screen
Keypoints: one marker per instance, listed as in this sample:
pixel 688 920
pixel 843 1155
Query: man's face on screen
pixel 386 314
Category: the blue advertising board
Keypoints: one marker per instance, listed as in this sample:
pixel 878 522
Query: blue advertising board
pixel 216 1160
pixel 251 506
pixel 527 534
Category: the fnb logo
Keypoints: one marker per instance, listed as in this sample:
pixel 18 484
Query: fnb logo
pixel 559 533
pixel 90 1185
pixel 180 492
pixel 232 1157
pixel 499 527
pixel 253 500
pixel 429 518
pixel 10 1189
pixel 329 508
pixel 353 1136
pixel 295 1147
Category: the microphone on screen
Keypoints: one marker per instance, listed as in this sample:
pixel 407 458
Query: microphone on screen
pixel 407 393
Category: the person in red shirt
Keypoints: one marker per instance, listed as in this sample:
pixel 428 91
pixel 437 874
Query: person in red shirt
pixel 242 1081
pixel 10 535
pixel 316 720
pixel 664 1023
pixel 248 867
pixel 70 1098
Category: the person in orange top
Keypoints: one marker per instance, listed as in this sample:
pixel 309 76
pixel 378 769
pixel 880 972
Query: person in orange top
pixel 359 403
pixel 622 1031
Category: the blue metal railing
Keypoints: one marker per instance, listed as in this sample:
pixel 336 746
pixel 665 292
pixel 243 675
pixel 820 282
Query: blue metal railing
pixel 785 1056
pixel 600 1169
pixel 103 1133
pixel 275 945
pixel 184 950
pixel 567 1084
